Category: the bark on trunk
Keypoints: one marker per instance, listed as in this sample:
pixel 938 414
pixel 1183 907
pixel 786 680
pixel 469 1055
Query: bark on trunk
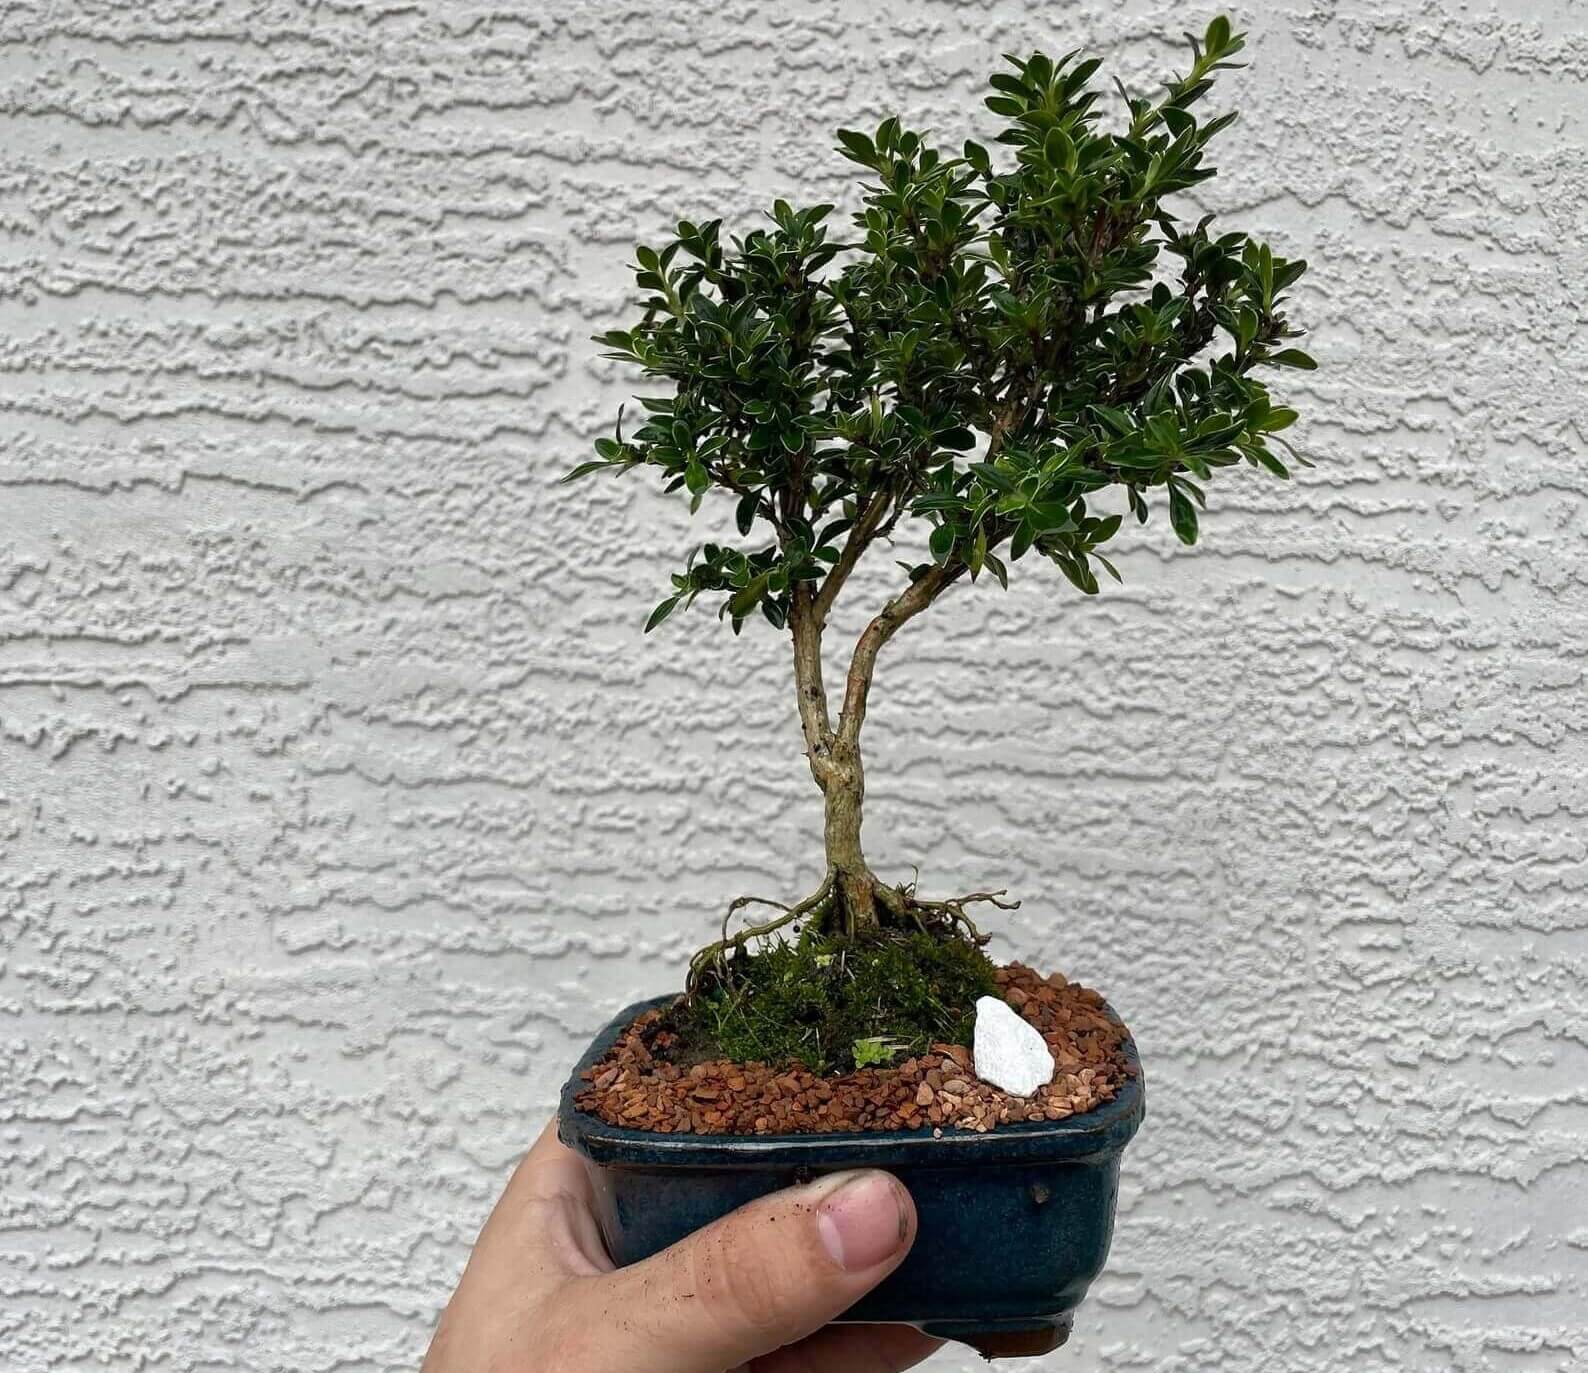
pixel 845 789
pixel 834 754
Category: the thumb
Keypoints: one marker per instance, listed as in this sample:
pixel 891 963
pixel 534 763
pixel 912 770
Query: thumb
pixel 765 1276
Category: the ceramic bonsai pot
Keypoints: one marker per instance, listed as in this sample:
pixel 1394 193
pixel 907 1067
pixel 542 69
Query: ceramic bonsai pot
pixel 1014 1224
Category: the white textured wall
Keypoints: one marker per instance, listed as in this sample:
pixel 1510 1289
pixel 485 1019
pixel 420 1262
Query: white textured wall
pixel 340 798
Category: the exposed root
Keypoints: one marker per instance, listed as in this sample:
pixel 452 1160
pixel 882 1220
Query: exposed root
pixel 902 908
pixel 903 903
pixel 715 955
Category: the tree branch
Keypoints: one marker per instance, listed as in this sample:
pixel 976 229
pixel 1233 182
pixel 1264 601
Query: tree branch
pixel 900 610
pixel 861 533
pixel 912 600
pixel 806 628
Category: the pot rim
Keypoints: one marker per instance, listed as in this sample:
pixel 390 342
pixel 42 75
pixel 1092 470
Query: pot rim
pixel 1105 1129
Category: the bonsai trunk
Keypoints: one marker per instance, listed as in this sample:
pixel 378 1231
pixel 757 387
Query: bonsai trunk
pixel 858 898
pixel 855 885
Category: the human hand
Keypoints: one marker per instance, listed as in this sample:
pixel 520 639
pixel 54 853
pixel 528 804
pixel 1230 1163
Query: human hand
pixel 753 1292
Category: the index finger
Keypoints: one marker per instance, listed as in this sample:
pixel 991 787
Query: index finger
pixel 543 1225
pixel 551 1168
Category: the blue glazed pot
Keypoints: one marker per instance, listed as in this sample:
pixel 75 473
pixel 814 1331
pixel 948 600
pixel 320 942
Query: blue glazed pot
pixel 1013 1224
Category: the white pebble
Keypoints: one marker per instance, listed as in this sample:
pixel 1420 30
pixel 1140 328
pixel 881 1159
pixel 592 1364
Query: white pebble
pixel 1010 1052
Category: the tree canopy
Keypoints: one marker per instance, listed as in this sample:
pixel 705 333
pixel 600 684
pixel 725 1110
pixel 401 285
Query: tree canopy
pixel 1006 333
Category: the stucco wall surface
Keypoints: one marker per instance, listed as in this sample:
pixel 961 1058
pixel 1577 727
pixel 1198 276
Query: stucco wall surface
pixel 341 799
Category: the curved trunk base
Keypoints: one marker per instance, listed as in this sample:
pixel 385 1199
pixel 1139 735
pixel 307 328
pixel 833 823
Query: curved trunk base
pixel 859 904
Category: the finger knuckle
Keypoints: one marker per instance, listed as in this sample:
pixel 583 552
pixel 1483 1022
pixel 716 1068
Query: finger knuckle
pixel 754 1295
pixel 742 1289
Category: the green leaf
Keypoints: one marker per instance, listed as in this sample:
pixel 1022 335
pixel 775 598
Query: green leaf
pixel 1266 460
pixel 584 469
pixel 744 600
pixel 1050 517
pixel 1082 73
pixel 1292 357
pixel 1105 530
pixel 661 613
pixel 875 1050
pixel 744 513
pixel 1178 121
pixel 1058 149
pixel 857 147
pixel 1182 514
pixel 1137 459
pixel 1114 420
pixel 1010 304
pixel 978 553
pixel 1079 574
pixel 989 473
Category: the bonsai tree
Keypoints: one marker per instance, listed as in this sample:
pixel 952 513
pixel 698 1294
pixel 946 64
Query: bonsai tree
pixel 1017 347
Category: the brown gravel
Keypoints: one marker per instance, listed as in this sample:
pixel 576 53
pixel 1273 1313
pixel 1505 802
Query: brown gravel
pixel 635 1084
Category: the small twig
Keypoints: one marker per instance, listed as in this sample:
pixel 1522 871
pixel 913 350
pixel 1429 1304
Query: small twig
pixel 952 909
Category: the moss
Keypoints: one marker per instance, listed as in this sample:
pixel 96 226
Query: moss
pixel 812 999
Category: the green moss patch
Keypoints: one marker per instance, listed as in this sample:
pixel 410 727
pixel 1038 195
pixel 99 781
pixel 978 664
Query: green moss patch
pixel 834 1004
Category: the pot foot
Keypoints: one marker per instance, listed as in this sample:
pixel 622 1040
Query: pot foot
pixel 1004 1339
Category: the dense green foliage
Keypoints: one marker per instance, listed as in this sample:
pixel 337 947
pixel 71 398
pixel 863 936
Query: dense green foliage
pixel 826 1001
pixel 1009 332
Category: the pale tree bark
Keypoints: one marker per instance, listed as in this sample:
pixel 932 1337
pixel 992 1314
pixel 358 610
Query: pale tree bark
pixel 889 620
pixel 834 753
